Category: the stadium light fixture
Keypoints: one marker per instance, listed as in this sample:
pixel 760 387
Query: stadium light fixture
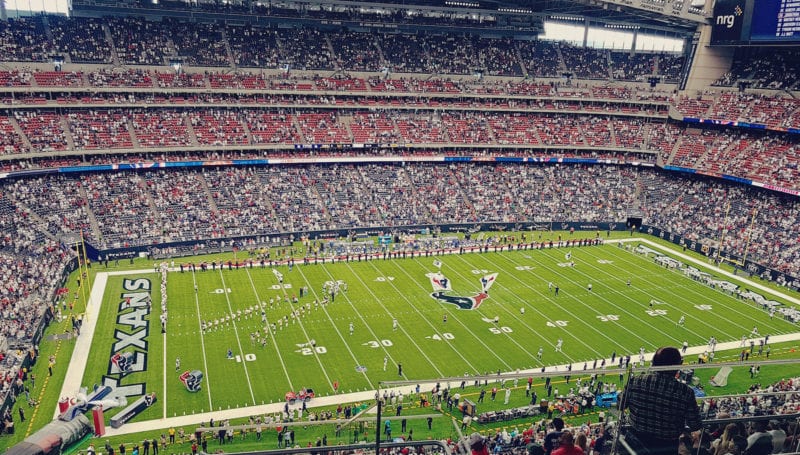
pixel 462 4
pixel 567 18
pixel 515 10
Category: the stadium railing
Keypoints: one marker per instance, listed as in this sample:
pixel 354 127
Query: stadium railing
pixel 419 447
pixel 619 445
pixel 624 448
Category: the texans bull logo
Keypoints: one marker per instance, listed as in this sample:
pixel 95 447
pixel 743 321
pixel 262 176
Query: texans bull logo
pixel 465 303
pixel 442 285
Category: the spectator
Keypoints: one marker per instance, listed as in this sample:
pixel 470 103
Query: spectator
pixel 760 441
pixel 659 406
pixel 566 445
pixel 725 443
pixel 552 440
pixel 778 436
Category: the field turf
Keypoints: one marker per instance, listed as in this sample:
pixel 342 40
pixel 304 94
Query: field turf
pixel 432 339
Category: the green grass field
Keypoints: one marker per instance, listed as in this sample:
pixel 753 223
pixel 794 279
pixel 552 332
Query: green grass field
pixel 612 317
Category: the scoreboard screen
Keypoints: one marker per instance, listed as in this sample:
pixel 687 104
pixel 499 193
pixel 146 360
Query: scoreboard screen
pixel 776 20
pixel 755 21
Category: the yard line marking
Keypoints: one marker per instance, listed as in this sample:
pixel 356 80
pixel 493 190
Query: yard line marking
pixel 682 298
pixel 624 327
pixel 164 405
pixel 424 354
pixel 552 301
pixel 454 316
pixel 671 306
pixel 76 367
pixel 688 258
pixel 202 341
pixel 305 333
pixel 238 339
pixel 549 254
pixel 681 277
pixel 512 313
pixel 416 281
pixel 269 330
pixel 338 332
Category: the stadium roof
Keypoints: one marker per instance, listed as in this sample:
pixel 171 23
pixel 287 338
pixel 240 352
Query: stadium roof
pixel 678 16
pixel 655 12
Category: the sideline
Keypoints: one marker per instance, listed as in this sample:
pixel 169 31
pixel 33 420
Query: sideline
pixel 332 400
pixel 83 345
pixel 712 267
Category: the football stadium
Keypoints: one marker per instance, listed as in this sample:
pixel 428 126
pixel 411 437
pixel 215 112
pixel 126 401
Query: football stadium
pixel 449 227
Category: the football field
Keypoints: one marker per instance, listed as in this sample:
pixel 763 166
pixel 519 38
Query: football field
pixel 254 337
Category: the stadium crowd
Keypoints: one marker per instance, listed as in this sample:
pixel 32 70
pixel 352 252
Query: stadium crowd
pixel 775 399
pixel 768 157
pixel 136 41
pixel 773 71
pixel 296 109
pixel 215 203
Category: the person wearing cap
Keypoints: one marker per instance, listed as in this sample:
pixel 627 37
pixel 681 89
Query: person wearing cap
pixel 660 407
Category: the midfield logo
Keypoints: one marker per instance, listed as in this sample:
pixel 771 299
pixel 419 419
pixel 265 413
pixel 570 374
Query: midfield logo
pixel 465 303
pixel 442 285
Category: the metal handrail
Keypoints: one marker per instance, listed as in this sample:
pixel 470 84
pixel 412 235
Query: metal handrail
pixel 365 448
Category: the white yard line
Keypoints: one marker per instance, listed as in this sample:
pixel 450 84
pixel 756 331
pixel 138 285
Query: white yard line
pixel 552 300
pixel 202 342
pixel 269 331
pixel 164 392
pixel 305 332
pixel 330 400
pixel 686 295
pixel 335 329
pixel 238 339
pixel 436 329
pixel 77 367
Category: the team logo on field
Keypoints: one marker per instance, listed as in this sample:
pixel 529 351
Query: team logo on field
pixel 192 380
pixel 442 285
pixel 465 303
pixel 122 363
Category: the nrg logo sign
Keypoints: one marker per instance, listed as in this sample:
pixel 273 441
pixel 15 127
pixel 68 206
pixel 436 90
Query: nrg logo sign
pixel 729 19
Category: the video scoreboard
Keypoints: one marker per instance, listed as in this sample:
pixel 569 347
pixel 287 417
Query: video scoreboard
pixel 756 22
